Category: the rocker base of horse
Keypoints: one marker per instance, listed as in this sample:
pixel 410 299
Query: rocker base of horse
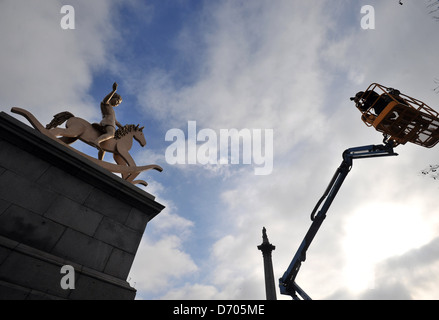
pixel 125 164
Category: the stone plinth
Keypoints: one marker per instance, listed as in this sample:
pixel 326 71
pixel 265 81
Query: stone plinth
pixel 58 208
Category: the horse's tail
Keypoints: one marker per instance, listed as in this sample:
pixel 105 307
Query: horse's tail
pixel 58 119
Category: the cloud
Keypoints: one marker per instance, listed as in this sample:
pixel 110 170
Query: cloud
pixel 275 66
pixel 47 69
pixel 194 291
pixel 250 72
pixel 159 263
pixel 408 276
pixel 259 69
pixel 162 257
pixel 391 229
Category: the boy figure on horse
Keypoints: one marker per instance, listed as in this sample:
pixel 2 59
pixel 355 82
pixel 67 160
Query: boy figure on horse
pixel 108 124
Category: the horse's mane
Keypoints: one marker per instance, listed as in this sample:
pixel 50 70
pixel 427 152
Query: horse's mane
pixel 123 131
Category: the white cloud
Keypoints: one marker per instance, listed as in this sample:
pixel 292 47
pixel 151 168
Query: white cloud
pixel 391 229
pixel 260 69
pixel 252 71
pixel 162 258
pixel 46 69
pixel 160 263
pixel 271 66
pixel 194 291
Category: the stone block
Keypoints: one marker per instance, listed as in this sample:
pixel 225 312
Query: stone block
pixel 10 291
pixel 107 205
pixel 25 193
pixel 38 295
pixel 21 162
pixel 137 220
pixel 22 225
pixel 74 215
pixel 118 235
pixel 119 264
pixel 89 287
pixel 4 205
pixel 4 252
pixel 82 249
pixel 66 184
pixel 30 272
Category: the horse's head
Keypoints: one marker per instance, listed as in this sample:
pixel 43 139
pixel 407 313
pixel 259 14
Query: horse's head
pixel 130 130
pixel 138 135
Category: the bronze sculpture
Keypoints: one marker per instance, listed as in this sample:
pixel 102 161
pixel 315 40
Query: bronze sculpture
pixel 103 136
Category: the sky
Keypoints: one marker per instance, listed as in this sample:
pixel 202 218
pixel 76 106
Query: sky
pixel 283 69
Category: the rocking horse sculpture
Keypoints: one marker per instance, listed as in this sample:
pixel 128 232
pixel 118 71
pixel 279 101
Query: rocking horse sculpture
pixel 103 136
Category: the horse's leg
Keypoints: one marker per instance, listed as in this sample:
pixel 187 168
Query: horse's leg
pixel 68 140
pixel 70 132
pixel 134 176
pixel 120 161
pixel 128 159
pixel 124 154
pixel 125 158
pixel 60 132
pixel 101 154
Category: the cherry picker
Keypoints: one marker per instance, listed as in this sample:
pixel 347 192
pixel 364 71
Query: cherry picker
pixel 401 119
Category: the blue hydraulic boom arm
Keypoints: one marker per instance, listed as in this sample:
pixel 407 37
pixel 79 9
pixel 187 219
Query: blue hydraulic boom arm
pixel 287 283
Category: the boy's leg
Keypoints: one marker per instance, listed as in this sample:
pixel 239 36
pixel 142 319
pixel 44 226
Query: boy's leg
pixel 110 131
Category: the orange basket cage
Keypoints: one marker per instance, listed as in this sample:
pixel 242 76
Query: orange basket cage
pixel 402 118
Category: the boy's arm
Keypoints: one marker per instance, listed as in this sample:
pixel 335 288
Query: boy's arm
pixel 108 97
